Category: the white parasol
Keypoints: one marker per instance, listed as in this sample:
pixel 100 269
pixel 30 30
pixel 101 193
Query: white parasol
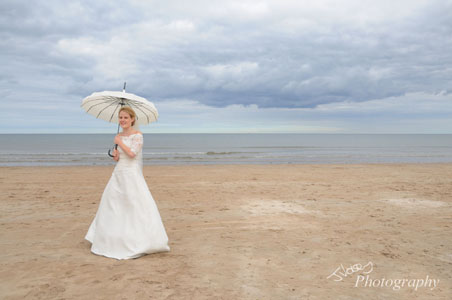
pixel 106 105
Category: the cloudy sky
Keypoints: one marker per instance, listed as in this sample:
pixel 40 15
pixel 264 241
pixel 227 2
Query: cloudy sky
pixel 230 66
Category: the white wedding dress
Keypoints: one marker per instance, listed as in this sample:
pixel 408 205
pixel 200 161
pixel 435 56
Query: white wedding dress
pixel 127 223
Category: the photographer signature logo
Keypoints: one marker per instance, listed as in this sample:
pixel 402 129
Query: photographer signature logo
pixel 363 279
pixel 340 273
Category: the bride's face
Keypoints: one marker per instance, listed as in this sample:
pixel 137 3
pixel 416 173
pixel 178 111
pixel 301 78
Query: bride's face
pixel 125 120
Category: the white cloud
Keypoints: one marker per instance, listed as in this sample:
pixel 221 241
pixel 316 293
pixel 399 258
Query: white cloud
pixel 323 62
pixel 181 25
pixel 232 70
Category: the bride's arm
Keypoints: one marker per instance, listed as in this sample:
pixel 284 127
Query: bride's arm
pixel 123 146
pixel 135 147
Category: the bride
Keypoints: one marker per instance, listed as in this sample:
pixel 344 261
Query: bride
pixel 127 223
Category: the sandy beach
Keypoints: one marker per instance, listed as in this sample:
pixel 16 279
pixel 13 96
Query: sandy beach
pixel 237 232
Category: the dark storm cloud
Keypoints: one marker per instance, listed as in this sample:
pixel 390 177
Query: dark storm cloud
pixel 269 53
pixel 235 61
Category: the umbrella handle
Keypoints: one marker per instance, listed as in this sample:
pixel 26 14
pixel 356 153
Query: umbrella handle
pixel 109 150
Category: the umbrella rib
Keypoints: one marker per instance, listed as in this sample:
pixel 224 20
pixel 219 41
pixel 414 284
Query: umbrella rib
pixel 100 103
pixel 105 98
pixel 142 105
pixel 102 110
pixel 108 99
pixel 140 108
pixel 114 113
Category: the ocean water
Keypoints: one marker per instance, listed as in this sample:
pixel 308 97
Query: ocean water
pixel 174 149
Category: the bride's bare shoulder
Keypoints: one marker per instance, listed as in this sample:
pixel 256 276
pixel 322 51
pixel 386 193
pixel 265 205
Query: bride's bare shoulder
pixel 138 132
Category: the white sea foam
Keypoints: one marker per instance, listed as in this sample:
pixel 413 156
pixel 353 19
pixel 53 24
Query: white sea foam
pixel 91 149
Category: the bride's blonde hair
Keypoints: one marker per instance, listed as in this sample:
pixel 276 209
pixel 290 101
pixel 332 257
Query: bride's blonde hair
pixel 130 112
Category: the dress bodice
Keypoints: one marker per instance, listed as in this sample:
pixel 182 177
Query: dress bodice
pixel 135 143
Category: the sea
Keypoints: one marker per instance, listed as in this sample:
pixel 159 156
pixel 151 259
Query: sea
pixel 183 149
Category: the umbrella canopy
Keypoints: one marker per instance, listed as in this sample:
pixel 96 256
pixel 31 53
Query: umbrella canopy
pixel 105 105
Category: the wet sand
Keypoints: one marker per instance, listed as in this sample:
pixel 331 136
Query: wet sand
pixel 236 232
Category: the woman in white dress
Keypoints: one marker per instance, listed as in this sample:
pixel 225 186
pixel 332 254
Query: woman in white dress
pixel 127 223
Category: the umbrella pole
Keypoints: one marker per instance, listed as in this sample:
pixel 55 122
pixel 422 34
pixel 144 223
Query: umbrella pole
pixel 116 145
pixel 117 132
pixel 122 104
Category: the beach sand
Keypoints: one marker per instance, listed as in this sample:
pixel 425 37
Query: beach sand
pixel 236 232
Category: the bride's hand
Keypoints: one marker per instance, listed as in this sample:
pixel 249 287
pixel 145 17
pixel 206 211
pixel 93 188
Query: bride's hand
pixel 115 155
pixel 117 139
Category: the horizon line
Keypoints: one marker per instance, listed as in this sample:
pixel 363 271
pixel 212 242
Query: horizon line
pixel 331 133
